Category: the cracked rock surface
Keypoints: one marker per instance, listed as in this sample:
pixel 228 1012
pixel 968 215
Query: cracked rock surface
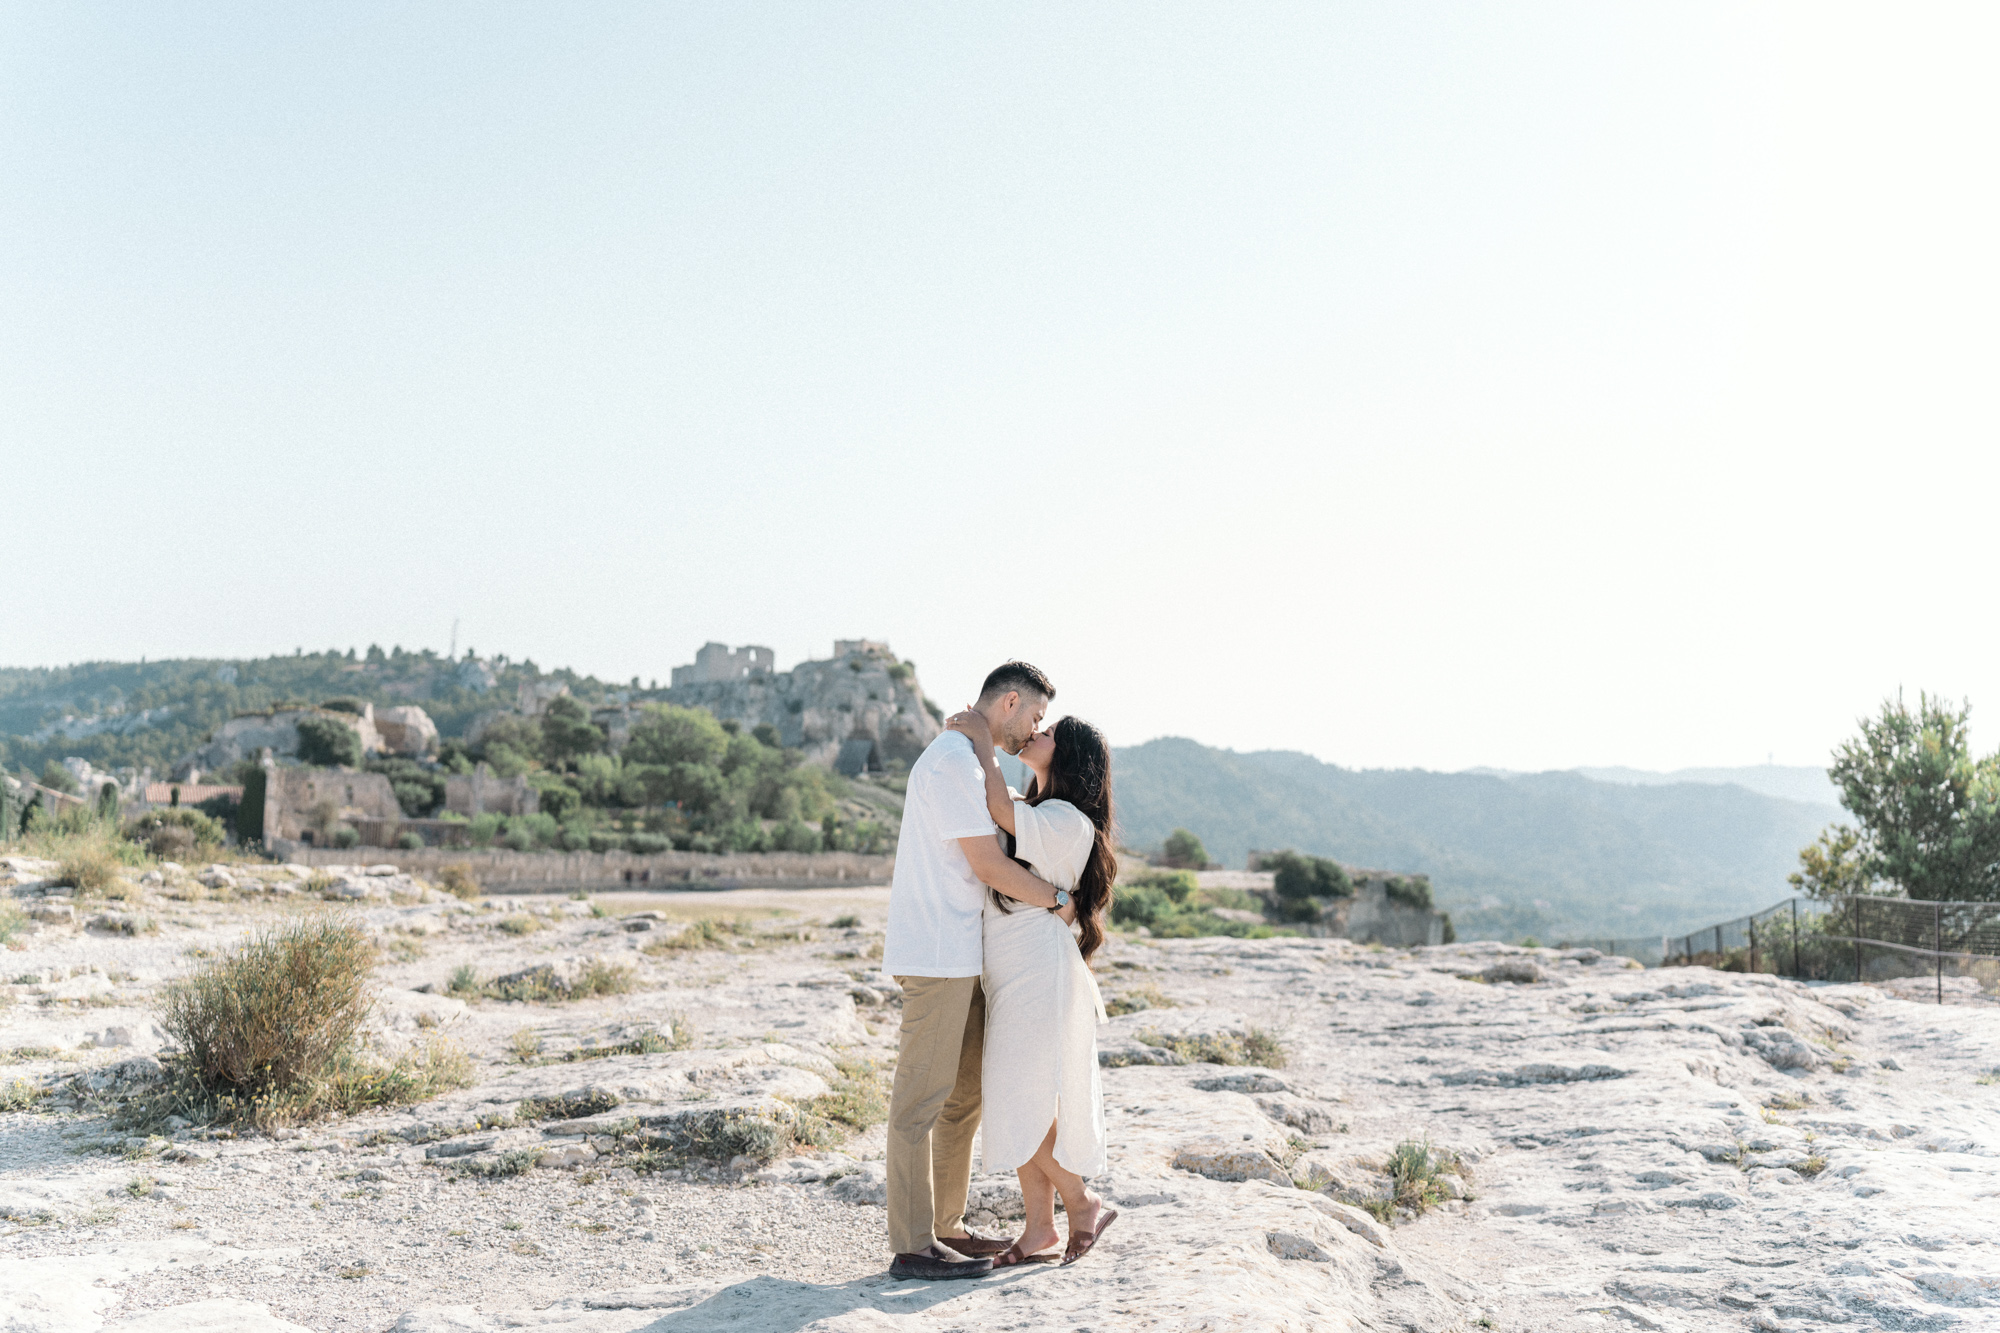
pixel 1673 1149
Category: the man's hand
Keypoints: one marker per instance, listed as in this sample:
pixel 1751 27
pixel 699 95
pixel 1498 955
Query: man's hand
pixel 1004 874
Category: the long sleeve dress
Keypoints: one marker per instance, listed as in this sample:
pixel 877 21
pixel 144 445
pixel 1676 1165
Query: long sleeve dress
pixel 1042 1010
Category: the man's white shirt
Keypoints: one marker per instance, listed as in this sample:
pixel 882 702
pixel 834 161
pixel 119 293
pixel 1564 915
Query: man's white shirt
pixel 935 900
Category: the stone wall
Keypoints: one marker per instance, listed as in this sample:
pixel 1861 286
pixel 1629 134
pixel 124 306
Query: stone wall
pixel 481 793
pixel 293 796
pixel 503 871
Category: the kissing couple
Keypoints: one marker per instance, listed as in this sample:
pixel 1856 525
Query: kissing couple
pixel 996 906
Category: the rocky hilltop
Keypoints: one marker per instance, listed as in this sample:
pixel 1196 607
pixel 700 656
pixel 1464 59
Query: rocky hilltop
pixel 861 708
pixel 1442 1138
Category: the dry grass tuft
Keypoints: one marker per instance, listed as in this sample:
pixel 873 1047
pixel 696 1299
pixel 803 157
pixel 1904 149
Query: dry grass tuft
pixel 457 880
pixel 1254 1046
pixel 92 870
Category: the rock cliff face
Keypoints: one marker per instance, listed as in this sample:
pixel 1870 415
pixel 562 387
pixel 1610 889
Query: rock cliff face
pixel 860 709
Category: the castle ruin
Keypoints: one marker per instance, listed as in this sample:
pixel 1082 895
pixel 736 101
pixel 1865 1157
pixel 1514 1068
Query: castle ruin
pixel 714 662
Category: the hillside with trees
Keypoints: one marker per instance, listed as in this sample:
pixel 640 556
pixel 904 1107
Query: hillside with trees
pixel 1549 855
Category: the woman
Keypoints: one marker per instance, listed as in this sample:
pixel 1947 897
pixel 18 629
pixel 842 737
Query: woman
pixel 1042 1005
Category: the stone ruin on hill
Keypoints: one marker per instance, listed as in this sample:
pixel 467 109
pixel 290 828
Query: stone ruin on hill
pixel 861 709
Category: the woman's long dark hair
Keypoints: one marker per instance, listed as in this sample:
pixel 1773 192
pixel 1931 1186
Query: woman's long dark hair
pixel 1080 773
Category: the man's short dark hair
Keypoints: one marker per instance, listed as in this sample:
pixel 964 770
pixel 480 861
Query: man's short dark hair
pixel 1015 676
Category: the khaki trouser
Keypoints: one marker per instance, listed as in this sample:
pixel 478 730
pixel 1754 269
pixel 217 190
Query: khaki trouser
pixel 934 1108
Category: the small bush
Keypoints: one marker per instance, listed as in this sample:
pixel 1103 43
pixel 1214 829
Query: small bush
pixel 526 1044
pixel 646 844
pixel 848 922
pixel 1410 890
pixel 457 880
pixel 410 842
pixel 1179 886
pixel 520 925
pixel 89 870
pixel 1415 1169
pixel 1301 877
pixel 1184 851
pixel 175 832
pixel 464 982
pixel 328 742
pixel 276 1014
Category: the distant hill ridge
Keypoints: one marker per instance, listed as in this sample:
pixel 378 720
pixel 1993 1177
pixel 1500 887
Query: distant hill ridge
pixel 1548 854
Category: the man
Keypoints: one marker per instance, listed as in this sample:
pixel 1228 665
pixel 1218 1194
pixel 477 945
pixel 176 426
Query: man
pixel 948 851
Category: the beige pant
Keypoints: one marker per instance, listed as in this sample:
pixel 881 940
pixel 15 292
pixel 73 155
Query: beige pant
pixel 934 1108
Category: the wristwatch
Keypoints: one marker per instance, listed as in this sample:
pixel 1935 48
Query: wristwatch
pixel 1062 898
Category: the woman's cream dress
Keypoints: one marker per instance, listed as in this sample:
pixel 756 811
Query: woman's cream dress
pixel 1042 1010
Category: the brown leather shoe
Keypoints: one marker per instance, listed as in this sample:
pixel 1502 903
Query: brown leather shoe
pixel 932 1265
pixel 976 1245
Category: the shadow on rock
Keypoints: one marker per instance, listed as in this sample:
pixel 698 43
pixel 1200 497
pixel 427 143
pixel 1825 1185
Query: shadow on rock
pixel 778 1305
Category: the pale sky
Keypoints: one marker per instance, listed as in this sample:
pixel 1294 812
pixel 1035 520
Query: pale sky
pixel 1530 386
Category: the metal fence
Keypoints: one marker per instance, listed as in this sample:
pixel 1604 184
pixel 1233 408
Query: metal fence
pixel 1859 938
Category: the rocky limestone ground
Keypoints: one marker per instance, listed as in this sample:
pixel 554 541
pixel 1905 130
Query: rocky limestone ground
pixel 1672 1149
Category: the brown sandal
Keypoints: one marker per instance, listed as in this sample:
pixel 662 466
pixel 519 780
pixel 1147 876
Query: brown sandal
pixel 1081 1241
pixel 1013 1254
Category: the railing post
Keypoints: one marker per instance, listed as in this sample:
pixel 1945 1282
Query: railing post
pixel 1795 941
pixel 1856 900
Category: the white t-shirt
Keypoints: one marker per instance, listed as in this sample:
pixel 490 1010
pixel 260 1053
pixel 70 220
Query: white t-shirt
pixel 934 898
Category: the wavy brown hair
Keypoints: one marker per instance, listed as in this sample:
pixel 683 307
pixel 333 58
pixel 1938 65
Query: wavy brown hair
pixel 1080 773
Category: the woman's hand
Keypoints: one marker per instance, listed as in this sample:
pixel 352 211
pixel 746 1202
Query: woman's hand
pixel 971 723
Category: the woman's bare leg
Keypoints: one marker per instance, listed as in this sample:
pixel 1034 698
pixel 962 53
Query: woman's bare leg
pixel 1078 1202
pixel 1038 1192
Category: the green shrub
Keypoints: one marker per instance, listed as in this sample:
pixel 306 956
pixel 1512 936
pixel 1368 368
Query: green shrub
pixel 346 837
pixel 1179 885
pixel 1183 850
pixel 1410 891
pixel 556 798
pixel 57 778
pixel 410 842
pixel 1299 877
pixel 796 836
pixel 344 705
pixel 573 838
pixel 670 736
pixel 1415 1170
pixel 419 790
pixel 328 742
pixel 171 833
pixel 1139 905
pixel 647 843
